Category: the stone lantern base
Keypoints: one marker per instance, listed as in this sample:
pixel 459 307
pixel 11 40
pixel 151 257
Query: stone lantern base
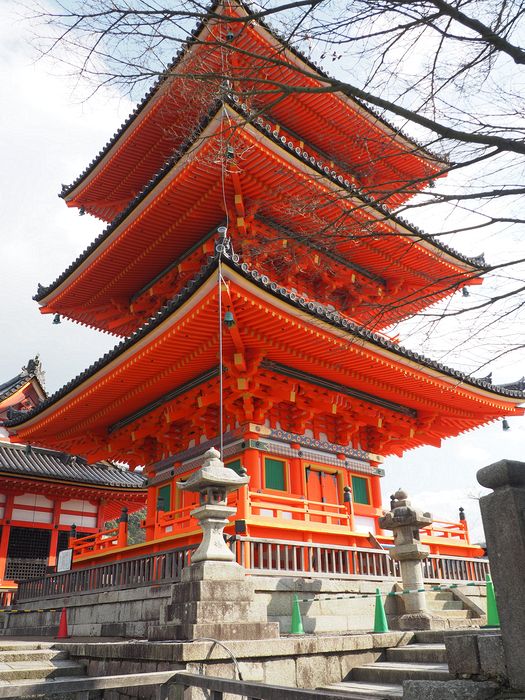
pixel 214 600
pixel 418 621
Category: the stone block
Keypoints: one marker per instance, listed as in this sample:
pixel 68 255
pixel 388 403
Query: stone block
pixel 280 671
pixel 221 610
pixel 463 654
pixel 492 656
pixel 449 690
pixel 312 672
pixel 352 660
pixel 252 671
pixel 213 590
pixel 213 570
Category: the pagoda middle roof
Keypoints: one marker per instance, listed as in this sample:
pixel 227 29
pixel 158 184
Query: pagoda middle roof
pixel 413 361
pixel 260 131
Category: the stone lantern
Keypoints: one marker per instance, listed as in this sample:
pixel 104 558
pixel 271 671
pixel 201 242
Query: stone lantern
pixel 214 598
pixel 405 523
pixel 213 482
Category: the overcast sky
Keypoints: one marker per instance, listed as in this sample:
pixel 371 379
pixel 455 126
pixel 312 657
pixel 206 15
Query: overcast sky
pixel 49 135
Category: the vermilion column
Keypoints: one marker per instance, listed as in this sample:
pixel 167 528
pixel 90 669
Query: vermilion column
pixel 53 543
pixel 151 511
pixel 375 487
pixel 252 464
pixel 296 474
pixel 377 498
pixel 6 531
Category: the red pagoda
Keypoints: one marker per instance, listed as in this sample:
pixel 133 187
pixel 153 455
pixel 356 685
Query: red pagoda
pixel 252 260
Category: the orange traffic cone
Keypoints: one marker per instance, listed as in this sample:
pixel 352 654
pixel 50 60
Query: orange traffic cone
pixel 62 625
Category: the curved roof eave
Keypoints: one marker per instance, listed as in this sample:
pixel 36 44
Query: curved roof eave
pixel 477 263
pixel 317 311
pixel 67 190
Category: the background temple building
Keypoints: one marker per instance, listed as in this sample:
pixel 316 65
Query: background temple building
pixel 252 263
pixel 46 495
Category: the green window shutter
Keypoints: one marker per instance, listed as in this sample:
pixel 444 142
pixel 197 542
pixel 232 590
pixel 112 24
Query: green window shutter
pixel 164 498
pixel 360 490
pixel 236 465
pixel 274 474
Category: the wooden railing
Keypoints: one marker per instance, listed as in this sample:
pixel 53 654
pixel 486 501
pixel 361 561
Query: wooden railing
pixel 140 571
pixel 442 568
pixel 281 557
pixel 288 558
pixel 448 529
pixel 289 508
pixel 259 557
pixel 7 594
pixel 100 541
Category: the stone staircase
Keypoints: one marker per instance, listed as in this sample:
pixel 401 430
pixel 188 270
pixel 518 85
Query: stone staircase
pixel 35 663
pixel 423 659
pixel 444 604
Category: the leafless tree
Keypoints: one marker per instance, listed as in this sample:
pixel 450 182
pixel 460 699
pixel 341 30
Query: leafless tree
pixel 448 72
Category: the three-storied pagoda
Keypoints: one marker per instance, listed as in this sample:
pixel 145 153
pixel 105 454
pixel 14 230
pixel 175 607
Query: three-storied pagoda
pixel 258 236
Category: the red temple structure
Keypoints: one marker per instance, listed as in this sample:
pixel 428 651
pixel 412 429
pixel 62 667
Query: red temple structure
pixel 252 261
pixel 47 497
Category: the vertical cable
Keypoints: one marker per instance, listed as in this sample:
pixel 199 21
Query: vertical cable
pixel 221 406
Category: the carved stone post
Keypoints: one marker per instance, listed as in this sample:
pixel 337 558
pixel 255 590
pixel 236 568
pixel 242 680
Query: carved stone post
pixel 405 522
pixel 503 514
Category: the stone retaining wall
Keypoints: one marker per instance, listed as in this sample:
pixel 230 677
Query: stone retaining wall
pixel 127 612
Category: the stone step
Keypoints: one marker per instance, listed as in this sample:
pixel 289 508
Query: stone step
pixel 30 670
pixel 439 595
pixel 459 614
pixel 418 653
pixel 366 691
pixel 396 673
pixel 429 637
pixel 16 644
pixel 445 605
pixel 31 655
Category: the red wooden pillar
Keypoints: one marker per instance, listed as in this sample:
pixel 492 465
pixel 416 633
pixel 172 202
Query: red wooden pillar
pixel 151 511
pixel 375 488
pixel 53 543
pixel 6 531
pixel 252 464
pixel 296 474
pixel 101 519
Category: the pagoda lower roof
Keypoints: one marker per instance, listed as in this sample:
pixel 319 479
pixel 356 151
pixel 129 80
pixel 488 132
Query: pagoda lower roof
pixel 180 343
pixel 159 225
pixel 345 127
pixel 50 465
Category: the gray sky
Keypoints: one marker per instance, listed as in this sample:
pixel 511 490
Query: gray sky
pixel 49 135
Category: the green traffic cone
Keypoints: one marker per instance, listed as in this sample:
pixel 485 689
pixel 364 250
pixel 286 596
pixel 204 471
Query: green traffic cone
pixel 380 623
pixel 492 608
pixel 297 623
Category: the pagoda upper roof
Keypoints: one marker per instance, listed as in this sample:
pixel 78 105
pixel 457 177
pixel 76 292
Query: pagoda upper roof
pixel 132 238
pixel 401 374
pixel 139 146
pixel 40 463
